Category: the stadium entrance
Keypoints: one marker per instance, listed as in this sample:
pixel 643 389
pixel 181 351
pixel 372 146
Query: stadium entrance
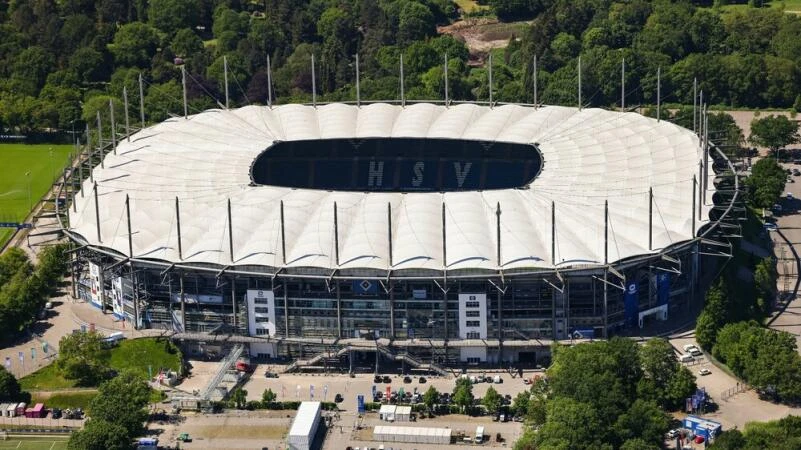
pixel 397 165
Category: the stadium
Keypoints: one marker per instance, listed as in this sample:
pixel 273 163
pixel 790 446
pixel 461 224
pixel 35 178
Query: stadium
pixel 435 234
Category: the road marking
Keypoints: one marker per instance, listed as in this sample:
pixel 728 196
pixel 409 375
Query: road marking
pixel 51 445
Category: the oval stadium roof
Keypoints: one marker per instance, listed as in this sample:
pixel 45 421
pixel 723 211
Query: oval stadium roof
pixel 589 156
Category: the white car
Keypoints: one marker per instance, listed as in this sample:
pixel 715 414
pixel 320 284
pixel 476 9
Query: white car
pixel 770 227
pixel 704 372
pixel 789 195
pixel 696 352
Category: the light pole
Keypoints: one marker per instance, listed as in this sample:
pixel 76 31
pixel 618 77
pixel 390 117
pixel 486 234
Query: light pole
pixel 28 175
pixel 52 170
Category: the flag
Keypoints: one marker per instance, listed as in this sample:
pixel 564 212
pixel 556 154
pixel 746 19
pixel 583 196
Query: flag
pixel 8 363
pixel 44 347
pixel 311 392
pixel 325 392
pixel 21 357
pixel 33 353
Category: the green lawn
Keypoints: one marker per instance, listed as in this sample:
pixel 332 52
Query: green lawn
pixel 137 355
pixel 46 379
pixel 39 443
pixel 789 6
pixel 469 6
pixel 65 399
pixel 42 168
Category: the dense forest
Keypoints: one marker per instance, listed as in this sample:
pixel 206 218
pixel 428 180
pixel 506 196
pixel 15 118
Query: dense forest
pixel 63 60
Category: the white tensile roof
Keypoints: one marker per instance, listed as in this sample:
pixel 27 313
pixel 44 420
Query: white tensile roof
pixel 589 156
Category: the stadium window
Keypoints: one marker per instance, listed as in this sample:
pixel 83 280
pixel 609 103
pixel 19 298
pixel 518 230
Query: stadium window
pixel 261 310
pixel 472 305
pixel 473 335
pixel 473 313
pixel 262 319
pixel 473 323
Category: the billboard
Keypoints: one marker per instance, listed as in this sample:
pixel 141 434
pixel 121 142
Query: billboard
pixel 117 296
pixel 96 295
pixel 360 404
pixel 631 303
pixel 663 288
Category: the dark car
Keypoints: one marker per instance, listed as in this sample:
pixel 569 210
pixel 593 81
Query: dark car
pixel 377 379
pixel 407 380
pixel 421 380
pixel 338 398
pixel 269 374
pixel 387 379
pixel 55 413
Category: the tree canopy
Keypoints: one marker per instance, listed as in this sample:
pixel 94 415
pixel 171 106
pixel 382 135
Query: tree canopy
pixel 774 132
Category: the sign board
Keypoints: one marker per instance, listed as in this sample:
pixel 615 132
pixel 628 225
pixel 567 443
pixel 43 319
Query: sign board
pixel 261 312
pixel 94 282
pixel 360 404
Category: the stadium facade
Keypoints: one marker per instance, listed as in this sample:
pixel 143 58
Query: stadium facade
pixel 429 233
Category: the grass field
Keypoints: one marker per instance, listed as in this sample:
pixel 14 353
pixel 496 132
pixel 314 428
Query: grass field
pixel 137 355
pixel 41 163
pixel 789 6
pixel 469 6
pixel 36 443
pixel 65 400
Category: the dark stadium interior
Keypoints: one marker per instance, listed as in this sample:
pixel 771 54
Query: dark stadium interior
pixel 397 165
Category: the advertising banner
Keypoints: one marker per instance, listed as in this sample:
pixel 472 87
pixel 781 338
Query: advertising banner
pixel 94 281
pixel 360 404
pixel 116 297
pixel 663 288
pixel 631 303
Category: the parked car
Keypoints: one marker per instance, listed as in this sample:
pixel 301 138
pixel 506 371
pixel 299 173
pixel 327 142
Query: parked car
pixel 673 434
pixel 407 379
pixel 55 413
pixel 704 372
pixel 421 380
pixel 387 379
pixel 696 352
pixel 796 172
pixel 769 226
pixel 269 374
pixel 338 398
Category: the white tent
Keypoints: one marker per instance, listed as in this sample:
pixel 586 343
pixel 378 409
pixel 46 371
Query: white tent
pixel 416 435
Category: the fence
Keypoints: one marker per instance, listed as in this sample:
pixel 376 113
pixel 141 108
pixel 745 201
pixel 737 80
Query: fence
pixel 734 390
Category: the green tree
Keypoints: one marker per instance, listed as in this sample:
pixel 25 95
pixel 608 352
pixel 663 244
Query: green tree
pixel 239 398
pixel 774 132
pixel 121 401
pixel 10 390
pixel 82 357
pixel 99 434
pixel 766 183
pixel 573 423
pixel 135 44
pixel 729 440
pixel 268 396
pixel 430 397
pixel 463 394
pixel 492 400
pixel 414 22
pixel 638 444
pixel 170 16
pixel 186 43
pixel 520 403
pixel 644 420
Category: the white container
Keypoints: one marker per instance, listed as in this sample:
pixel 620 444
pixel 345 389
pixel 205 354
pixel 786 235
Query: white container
pixel 304 428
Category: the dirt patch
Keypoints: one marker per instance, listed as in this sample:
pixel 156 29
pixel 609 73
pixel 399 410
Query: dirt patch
pixel 240 431
pixel 483 34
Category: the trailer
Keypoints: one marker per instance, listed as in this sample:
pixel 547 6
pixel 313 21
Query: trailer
pixel 20 410
pixel 3 408
pixel 412 435
pixel 38 411
pixel 304 427
pixel 11 410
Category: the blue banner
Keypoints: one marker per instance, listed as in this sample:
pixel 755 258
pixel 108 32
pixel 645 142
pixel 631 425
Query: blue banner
pixel 663 288
pixel 631 303
pixel 375 391
pixel 360 404
pixel 584 333
pixel 365 287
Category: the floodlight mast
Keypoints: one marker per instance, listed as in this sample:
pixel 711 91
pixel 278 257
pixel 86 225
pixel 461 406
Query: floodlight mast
pixel 127 120
pixel 695 104
pixel 489 75
pixel 579 83
pixel 314 83
pixel 402 93
pixel 100 140
pixel 183 85
pixel 623 85
pixel 536 104
pixel 358 92
pixel 113 126
pixel 658 93
pixel 446 80
pixel 225 80
pixel 269 84
pixel 141 101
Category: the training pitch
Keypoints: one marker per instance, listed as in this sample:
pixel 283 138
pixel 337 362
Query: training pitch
pixel 27 173
pixel 34 444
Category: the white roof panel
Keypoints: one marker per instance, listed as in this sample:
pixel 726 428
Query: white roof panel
pixel 589 156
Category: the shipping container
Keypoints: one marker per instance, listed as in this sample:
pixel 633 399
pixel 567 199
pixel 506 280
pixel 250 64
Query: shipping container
pixel 20 410
pixel 39 411
pixel 304 427
pixel 412 435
